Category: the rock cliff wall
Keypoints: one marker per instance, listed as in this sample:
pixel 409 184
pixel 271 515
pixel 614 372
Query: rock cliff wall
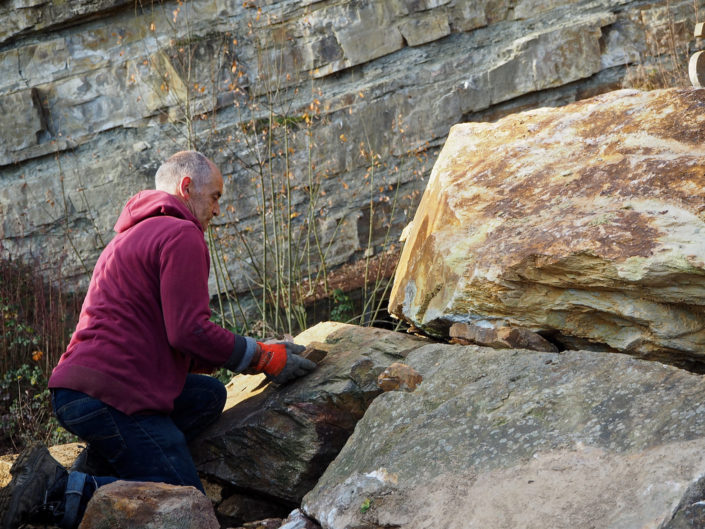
pixel 351 100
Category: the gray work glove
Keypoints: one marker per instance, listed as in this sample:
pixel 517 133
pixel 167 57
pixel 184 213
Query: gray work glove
pixel 296 366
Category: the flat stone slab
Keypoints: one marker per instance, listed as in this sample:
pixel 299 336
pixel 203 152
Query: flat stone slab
pixel 508 439
pixel 278 440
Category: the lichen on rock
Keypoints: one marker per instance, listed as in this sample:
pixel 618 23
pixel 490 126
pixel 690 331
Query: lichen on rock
pixel 582 222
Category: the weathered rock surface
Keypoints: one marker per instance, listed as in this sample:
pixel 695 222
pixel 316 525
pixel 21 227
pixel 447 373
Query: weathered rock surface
pixel 97 92
pixel 140 505
pixel 508 439
pixel 499 337
pixel 277 441
pixel 399 377
pixel 584 222
pixel 298 520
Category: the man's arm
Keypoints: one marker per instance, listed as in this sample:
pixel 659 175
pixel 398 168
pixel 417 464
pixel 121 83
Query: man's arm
pixel 185 305
pixel 184 267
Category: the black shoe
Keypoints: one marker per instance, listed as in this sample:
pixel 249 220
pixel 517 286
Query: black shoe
pixel 34 473
pixel 63 505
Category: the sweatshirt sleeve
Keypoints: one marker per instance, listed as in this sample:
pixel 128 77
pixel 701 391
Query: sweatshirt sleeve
pixel 184 267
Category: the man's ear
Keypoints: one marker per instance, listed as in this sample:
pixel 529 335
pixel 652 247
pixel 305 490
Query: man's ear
pixel 185 187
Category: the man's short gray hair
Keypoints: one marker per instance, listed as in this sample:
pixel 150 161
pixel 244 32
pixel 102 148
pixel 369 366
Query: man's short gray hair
pixel 179 165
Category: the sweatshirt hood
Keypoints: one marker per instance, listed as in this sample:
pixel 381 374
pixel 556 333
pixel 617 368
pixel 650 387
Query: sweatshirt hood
pixel 152 203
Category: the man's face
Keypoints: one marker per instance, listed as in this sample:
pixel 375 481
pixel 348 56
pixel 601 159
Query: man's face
pixel 203 201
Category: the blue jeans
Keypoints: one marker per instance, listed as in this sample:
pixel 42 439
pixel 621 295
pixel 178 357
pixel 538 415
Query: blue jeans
pixel 144 447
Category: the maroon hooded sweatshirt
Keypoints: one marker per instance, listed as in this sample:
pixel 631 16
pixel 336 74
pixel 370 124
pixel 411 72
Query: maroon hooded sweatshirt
pixel 145 322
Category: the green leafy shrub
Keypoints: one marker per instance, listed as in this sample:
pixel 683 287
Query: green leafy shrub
pixel 25 409
pixel 36 320
pixel 343 308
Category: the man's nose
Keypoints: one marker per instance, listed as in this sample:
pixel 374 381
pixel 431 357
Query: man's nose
pixel 216 210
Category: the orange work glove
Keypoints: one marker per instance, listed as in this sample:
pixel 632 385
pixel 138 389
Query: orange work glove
pixel 281 361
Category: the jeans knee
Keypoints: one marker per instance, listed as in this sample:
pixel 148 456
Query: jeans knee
pixel 221 396
pixel 211 390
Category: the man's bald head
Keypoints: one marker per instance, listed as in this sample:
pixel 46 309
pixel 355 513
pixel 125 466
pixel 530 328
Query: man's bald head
pixel 195 181
pixel 182 164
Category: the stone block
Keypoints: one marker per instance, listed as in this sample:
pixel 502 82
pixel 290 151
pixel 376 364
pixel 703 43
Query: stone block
pixel 138 505
pixel 43 62
pixel 500 337
pixel 466 16
pixel 425 29
pixel 368 36
pixel 582 221
pixel 526 9
pixel 277 441
pixel 22 122
pixel 548 58
pixel 399 377
pixel 508 439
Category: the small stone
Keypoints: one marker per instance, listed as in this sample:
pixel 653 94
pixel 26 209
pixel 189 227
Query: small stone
pixel 267 523
pixel 141 146
pixel 399 376
pixel 520 338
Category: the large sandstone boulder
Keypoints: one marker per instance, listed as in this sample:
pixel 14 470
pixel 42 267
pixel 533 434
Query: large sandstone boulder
pixel 508 439
pixel 278 440
pixel 584 223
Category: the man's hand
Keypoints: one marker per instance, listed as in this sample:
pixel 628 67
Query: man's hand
pixel 281 361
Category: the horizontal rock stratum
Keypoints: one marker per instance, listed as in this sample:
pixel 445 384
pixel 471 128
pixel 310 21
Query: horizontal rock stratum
pixel 583 223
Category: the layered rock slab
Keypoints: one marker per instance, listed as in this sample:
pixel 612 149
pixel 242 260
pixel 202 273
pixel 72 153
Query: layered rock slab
pixel 583 223
pixel 508 439
pixel 276 441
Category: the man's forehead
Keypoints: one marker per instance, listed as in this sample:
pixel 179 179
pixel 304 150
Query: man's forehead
pixel 217 180
pixel 215 176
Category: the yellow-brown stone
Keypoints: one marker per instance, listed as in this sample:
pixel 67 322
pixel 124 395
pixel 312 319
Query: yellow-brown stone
pixel 584 221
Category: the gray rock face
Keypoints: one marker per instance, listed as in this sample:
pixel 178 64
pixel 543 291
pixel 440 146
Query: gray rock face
pixel 25 17
pixel 510 439
pixel 278 440
pixel 298 520
pixel 101 92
